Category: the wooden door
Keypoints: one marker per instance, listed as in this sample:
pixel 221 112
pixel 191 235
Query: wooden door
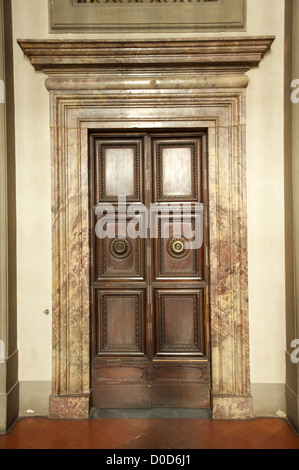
pixel 150 313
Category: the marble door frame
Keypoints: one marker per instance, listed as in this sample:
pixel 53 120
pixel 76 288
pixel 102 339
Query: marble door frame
pixel 199 85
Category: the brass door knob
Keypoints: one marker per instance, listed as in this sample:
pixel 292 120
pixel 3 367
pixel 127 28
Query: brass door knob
pixel 120 247
pixel 177 246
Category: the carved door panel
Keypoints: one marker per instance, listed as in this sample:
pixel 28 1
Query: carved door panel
pixel 149 280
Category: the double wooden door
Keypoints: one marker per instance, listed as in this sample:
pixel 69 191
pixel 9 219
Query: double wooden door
pixel 149 281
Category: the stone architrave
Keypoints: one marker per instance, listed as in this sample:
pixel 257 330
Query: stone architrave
pixel 195 84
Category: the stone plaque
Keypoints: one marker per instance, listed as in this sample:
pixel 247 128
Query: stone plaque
pixel 146 15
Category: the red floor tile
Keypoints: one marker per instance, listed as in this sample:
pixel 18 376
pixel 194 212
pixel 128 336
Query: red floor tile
pixel 165 431
pixel 230 441
pixel 143 441
pixel 43 433
pixel 270 424
pixel 283 439
pixel 122 431
pixel 9 441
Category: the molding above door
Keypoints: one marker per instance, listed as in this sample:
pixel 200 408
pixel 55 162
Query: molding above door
pixel 231 55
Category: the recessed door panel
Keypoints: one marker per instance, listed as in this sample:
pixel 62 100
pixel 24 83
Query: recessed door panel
pixel 118 169
pixel 118 255
pixel 174 254
pixel 120 320
pixel 176 166
pixel 179 328
pixel 177 170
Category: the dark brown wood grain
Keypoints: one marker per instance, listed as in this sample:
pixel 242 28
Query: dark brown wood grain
pixel 149 304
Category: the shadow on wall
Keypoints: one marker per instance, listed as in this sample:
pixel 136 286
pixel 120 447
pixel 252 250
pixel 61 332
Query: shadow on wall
pixel 2 92
pixel 2 352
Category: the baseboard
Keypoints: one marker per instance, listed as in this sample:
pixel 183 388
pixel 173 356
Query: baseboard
pixel 268 399
pixel 292 408
pixel 9 392
pixel 9 409
pixel 34 398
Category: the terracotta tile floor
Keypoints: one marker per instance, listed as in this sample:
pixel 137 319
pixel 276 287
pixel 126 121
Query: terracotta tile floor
pixel 43 433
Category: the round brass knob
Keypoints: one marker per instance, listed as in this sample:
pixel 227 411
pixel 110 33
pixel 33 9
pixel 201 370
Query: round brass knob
pixel 177 246
pixel 120 247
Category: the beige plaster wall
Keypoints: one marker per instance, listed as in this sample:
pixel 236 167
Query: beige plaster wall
pixel 265 196
pixel 265 146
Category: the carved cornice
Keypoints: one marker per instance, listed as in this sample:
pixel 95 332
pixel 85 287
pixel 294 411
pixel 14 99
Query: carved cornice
pixel 227 55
